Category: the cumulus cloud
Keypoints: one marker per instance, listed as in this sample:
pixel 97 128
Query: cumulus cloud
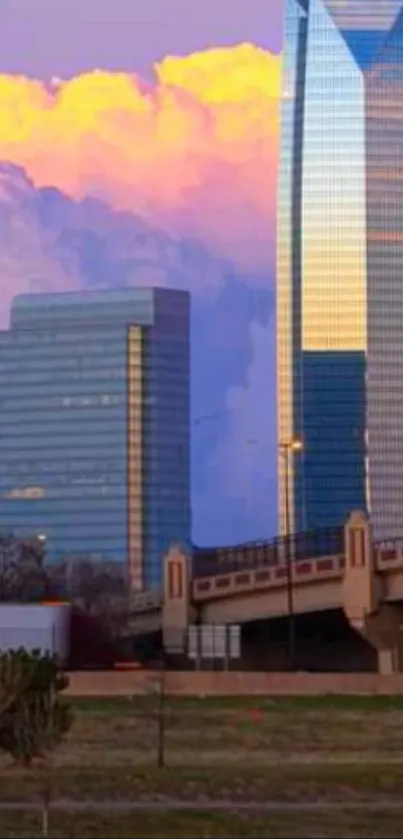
pixel 50 242
pixel 241 464
pixel 193 154
pixel 29 260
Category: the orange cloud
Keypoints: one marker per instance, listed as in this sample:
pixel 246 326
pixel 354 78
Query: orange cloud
pixel 195 153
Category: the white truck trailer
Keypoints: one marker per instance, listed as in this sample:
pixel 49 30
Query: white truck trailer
pixel 36 626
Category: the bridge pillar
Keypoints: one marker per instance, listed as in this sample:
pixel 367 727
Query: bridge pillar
pixel 176 600
pixel 377 622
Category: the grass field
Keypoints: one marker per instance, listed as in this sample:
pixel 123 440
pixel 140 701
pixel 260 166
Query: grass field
pixel 344 754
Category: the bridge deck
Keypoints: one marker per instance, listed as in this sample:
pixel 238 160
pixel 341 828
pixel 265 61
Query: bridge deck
pixel 248 570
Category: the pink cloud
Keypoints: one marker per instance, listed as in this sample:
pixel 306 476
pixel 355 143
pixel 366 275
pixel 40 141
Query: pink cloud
pixel 194 154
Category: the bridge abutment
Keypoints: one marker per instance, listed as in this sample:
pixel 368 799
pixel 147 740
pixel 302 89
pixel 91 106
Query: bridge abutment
pixel 379 623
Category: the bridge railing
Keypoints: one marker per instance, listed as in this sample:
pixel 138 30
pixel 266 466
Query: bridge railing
pixel 254 555
pixel 388 550
pixel 389 544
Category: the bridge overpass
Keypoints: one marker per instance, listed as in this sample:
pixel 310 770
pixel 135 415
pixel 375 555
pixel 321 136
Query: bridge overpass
pixel 335 569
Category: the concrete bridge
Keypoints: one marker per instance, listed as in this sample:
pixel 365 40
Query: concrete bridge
pixel 340 569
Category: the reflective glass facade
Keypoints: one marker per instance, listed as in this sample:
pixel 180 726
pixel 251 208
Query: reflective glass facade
pixel 340 262
pixel 94 425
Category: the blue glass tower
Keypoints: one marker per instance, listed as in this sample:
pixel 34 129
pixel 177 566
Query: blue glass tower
pixel 94 425
pixel 340 262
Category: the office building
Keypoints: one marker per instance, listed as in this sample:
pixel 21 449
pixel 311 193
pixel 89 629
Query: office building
pixel 94 425
pixel 340 263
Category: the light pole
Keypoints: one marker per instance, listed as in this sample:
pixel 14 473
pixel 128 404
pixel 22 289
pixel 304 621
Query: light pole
pixel 287 449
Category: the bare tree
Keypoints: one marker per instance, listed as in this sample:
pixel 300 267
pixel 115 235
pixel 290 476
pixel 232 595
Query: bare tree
pixel 37 733
pixel 23 574
pixel 156 687
pixel 100 590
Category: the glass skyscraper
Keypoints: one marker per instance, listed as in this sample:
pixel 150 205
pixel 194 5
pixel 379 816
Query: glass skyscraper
pixel 94 425
pixel 340 263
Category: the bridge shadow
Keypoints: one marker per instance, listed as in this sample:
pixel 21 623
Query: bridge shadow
pixel 326 643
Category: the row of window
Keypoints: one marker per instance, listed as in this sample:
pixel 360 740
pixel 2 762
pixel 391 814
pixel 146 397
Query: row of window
pixel 162 497
pixel 153 412
pixel 119 496
pixel 13 410
pixel 117 383
pixel 92 341
pixel 158 428
pixel 38 372
pixel 65 463
pixel 152 454
pixel 110 522
pixel 168 356
pixel 153 480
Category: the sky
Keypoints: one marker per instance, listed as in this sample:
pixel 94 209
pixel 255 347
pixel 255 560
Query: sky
pixel 142 149
pixel 66 37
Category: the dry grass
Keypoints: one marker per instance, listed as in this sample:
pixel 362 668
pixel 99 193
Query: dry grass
pixel 220 750
pixel 282 750
pixel 291 783
pixel 208 826
pixel 261 734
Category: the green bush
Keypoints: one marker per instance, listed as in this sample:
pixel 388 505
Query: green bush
pixel 34 717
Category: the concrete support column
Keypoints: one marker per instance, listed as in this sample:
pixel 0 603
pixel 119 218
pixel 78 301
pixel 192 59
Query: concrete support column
pixel 378 622
pixel 176 600
pixel 387 662
pixel 384 630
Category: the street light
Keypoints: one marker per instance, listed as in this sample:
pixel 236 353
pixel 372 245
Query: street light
pixel 288 448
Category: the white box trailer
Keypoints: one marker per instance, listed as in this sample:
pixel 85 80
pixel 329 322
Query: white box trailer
pixel 36 626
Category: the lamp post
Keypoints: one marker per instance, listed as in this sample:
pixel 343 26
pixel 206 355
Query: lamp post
pixel 287 449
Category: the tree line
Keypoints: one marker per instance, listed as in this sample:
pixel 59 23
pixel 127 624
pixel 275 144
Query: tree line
pixel 26 576
pixel 96 589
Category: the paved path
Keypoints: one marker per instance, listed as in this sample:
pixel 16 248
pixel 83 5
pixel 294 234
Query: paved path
pixel 170 804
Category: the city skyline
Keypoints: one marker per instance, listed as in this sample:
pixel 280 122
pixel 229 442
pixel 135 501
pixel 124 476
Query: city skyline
pixel 85 204
pixel 96 205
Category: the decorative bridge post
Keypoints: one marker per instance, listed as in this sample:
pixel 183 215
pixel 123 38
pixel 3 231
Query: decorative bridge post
pixel 176 600
pixel 379 623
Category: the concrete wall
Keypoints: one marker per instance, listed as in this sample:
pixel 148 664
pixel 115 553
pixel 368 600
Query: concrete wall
pixel 109 684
